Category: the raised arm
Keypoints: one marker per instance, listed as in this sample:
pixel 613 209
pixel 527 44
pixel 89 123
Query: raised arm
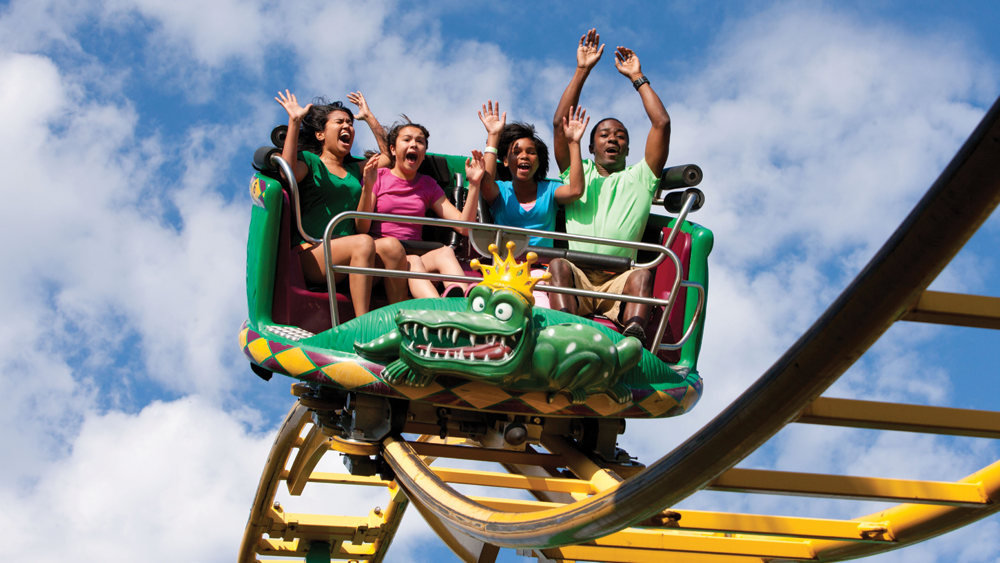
pixel 474 169
pixel 658 141
pixel 587 55
pixel 365 114
pixel 367 202
pixel 494 122
pixel 573 129
pixel 290 152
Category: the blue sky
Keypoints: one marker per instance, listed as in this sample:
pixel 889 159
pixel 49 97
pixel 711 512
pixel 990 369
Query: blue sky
pixel 130 125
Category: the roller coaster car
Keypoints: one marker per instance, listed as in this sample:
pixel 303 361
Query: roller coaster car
pixel 489 367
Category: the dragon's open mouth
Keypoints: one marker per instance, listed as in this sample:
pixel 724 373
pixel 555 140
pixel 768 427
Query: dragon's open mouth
pixel 450 343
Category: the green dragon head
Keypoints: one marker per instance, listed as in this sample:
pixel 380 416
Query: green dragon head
pixel 492 339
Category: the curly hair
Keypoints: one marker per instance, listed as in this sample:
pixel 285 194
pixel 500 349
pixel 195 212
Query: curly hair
pixel 315 121
pixel 511 134
pixel 394 134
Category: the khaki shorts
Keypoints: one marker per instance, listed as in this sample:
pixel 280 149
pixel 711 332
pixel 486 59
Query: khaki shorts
pixel 607 282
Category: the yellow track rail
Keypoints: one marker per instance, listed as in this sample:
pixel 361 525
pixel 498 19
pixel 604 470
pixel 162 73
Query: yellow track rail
pixel 588 513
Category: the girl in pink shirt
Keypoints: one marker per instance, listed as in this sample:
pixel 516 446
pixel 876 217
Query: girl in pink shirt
pixel 400 189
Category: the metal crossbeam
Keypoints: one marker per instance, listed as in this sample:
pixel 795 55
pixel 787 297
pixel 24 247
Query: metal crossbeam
pixel 483 454
pixel 617 555
pixel 955 309
pixel 506 480
pixel 846 487
pixel 906 418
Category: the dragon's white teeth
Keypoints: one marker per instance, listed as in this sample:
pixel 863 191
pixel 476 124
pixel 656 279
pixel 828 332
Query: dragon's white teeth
pixel 402 329
pixel 472 339
pixel 506 355
pixel 486 358
pixel 461 354
pixel 427 334
pixel 440 334
pixel 491 339
pixel 503 341
pixel 447 354
pixel 454 336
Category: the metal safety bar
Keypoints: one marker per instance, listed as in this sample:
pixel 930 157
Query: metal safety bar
pixel 663 251
pixel 293 185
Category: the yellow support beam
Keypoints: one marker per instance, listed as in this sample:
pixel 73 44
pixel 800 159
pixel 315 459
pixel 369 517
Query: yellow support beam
pixel 671 541
pixel 955 309
pixel 305 460
pixel 353 529
pixel 905 418
pixel 425 449
pixel 846 487
pixel 515 505
pixel 297 548
pixel 731 523
pixel 787 526
pixel 618 555
pixel 508 481
pixel 346 479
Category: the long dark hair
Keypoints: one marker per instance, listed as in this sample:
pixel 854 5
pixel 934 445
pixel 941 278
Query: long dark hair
pixel 315 121
pixel 394 134
pixel 511 134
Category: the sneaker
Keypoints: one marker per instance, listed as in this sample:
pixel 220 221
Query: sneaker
pixel 636 331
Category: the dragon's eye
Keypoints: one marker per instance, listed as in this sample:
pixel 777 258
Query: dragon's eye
pixel 478 304
pixel 503 311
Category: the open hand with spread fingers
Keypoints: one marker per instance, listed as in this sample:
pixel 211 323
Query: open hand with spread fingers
pixel 371 171
pixel 475 168
pixel 492 119
pixel 588 52
pixel 575 126
pixel 291 105
pixel 627 63
pixel 358 99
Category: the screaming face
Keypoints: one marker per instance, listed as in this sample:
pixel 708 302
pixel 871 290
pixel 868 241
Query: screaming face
pixel 610 146
pixel 409 149
pixel 338 134
pixel 522 159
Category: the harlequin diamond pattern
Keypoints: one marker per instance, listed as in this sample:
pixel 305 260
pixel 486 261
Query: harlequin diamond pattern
pixel 481 395
pixel 351 373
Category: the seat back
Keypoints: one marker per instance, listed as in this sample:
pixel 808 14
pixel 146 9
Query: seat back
pixel 295 303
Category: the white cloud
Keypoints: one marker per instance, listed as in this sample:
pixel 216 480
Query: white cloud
pixel 171 482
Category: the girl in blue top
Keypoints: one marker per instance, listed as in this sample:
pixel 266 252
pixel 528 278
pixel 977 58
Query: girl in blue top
pixel 518 193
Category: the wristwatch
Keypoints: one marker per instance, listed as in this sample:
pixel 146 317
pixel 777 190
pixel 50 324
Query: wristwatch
pixel 638 83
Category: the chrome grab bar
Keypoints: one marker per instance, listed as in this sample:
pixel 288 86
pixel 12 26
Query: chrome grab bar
pixel 662 250
pixel 286 169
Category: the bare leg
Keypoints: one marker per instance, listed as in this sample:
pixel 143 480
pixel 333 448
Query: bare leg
pixel 393 257
pixel 640 284
pixel 420 289
pixel 562 276
pixel 442 260
pixel 354 250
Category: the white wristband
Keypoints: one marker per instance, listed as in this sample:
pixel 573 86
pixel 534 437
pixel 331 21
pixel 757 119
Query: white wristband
pixel 491 150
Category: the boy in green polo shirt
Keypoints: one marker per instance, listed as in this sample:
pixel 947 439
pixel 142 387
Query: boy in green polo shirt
pixel 617 198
